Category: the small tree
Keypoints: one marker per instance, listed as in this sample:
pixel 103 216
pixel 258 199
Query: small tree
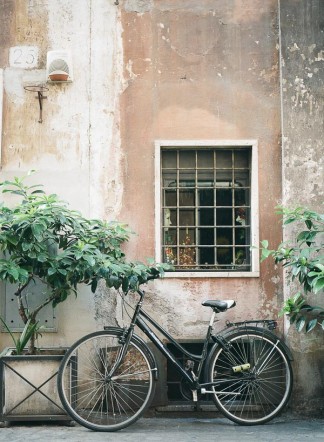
pixel 42 239
pixel 304 260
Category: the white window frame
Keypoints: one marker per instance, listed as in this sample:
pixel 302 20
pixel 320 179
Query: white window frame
pixel 194 144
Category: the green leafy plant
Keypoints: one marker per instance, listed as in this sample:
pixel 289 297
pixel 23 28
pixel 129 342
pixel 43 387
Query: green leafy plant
pixel 42 239
pixel 28 331
pixel 304 260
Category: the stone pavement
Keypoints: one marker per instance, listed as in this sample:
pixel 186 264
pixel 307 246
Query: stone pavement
pixel 184 429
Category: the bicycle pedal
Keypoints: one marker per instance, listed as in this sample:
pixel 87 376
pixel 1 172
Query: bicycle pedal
pixel 204 391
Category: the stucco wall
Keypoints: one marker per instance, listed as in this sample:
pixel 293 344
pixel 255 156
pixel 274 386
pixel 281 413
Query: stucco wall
pixel 201 70
pixel 76 149
pixel 302 37
pixel 164 69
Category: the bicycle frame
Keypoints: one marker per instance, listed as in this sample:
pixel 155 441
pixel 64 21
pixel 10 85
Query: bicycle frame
pixel 140 319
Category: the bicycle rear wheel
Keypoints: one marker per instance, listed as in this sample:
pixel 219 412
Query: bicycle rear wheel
pixel 97 401
pixel 253 378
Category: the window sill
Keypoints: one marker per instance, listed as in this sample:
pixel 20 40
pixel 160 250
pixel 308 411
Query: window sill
pixel 211 274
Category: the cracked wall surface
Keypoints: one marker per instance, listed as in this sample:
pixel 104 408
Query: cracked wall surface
pixel 302 36
pixel 167 69
pixel 201 70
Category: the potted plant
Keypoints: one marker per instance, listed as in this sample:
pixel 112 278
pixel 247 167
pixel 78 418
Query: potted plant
pixel 42 239
pixel 303 258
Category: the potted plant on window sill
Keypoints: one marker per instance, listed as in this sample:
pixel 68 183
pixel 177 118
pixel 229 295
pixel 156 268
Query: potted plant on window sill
pixel 42 239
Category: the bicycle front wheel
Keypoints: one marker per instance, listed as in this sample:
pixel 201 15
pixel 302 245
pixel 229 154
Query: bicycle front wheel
pixel 252 378
pixel 100 401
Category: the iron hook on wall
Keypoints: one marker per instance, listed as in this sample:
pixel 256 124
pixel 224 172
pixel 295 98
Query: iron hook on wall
pixel 39 89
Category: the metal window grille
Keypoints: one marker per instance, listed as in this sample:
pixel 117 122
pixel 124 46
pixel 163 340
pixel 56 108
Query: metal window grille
pixel 206 202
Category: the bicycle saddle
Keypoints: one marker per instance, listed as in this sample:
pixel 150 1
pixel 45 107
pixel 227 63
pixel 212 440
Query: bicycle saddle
pixel 222 306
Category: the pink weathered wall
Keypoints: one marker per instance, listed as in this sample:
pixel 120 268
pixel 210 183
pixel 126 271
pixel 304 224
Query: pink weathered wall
pixel 201 70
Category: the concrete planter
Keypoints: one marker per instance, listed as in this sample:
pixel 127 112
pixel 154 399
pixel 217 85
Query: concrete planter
pixel 28 389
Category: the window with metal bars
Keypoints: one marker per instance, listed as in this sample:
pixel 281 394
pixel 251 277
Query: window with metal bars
pixel 206 208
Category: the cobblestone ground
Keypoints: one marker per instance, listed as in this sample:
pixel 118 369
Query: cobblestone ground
pixel 174 430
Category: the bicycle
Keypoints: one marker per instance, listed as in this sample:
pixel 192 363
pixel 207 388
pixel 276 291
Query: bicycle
pixel 107 378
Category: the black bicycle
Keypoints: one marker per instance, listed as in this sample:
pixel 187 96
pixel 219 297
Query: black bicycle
pixel 107 379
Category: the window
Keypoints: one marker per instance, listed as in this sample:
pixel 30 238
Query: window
pixel 206 207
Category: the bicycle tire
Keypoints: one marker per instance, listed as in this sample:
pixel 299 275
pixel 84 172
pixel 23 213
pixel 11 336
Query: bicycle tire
pixel 253 395
pixel 93 400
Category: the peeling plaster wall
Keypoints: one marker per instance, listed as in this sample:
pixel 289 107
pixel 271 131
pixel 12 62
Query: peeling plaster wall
pixel 302 37
pixel 201 70
pixel 166 69
pixel 76 150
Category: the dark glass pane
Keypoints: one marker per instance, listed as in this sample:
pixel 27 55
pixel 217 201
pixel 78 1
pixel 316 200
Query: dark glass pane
pixel 224 217
pixel 242 197
pixel 170 179
pixel 223 159
pixel 205 159
pixel 206 255
pixel 224 255
pixel 186 198
pixel 187 178
pixel 187 159
pixel 186 217
pixel 205 178
pixel 206 197
pixel 206 237
pixel 224 178
pixel 224 197
pixel 170 198
pixel 241 159
pixel 224 236
pixel 241 236
pixel 242 178
pixel 242 255
pixel 169 159
pixel 206 217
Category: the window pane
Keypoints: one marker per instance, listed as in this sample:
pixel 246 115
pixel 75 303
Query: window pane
pixel 241 236
pixel 169 159
pixel 206 197
pixel 186 198
pixel 224 197
pixel 241 177
pixel 206 236
pixel 206 217
pixel 206 256
pixel 170 236
pixel 169 179
pixel 186 217
pixel 242 197
pixel 205 178
pixel 224 217
pixel 169 217
pixel 170 198
pixel 187 236
pixel 187 178
pixel 205 159
pixel 241 159
pixel 187 159
pixel 224 159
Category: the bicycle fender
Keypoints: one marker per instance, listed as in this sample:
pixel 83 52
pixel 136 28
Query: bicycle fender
pixel 265 332
pixel 140 341
pixel 269 335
